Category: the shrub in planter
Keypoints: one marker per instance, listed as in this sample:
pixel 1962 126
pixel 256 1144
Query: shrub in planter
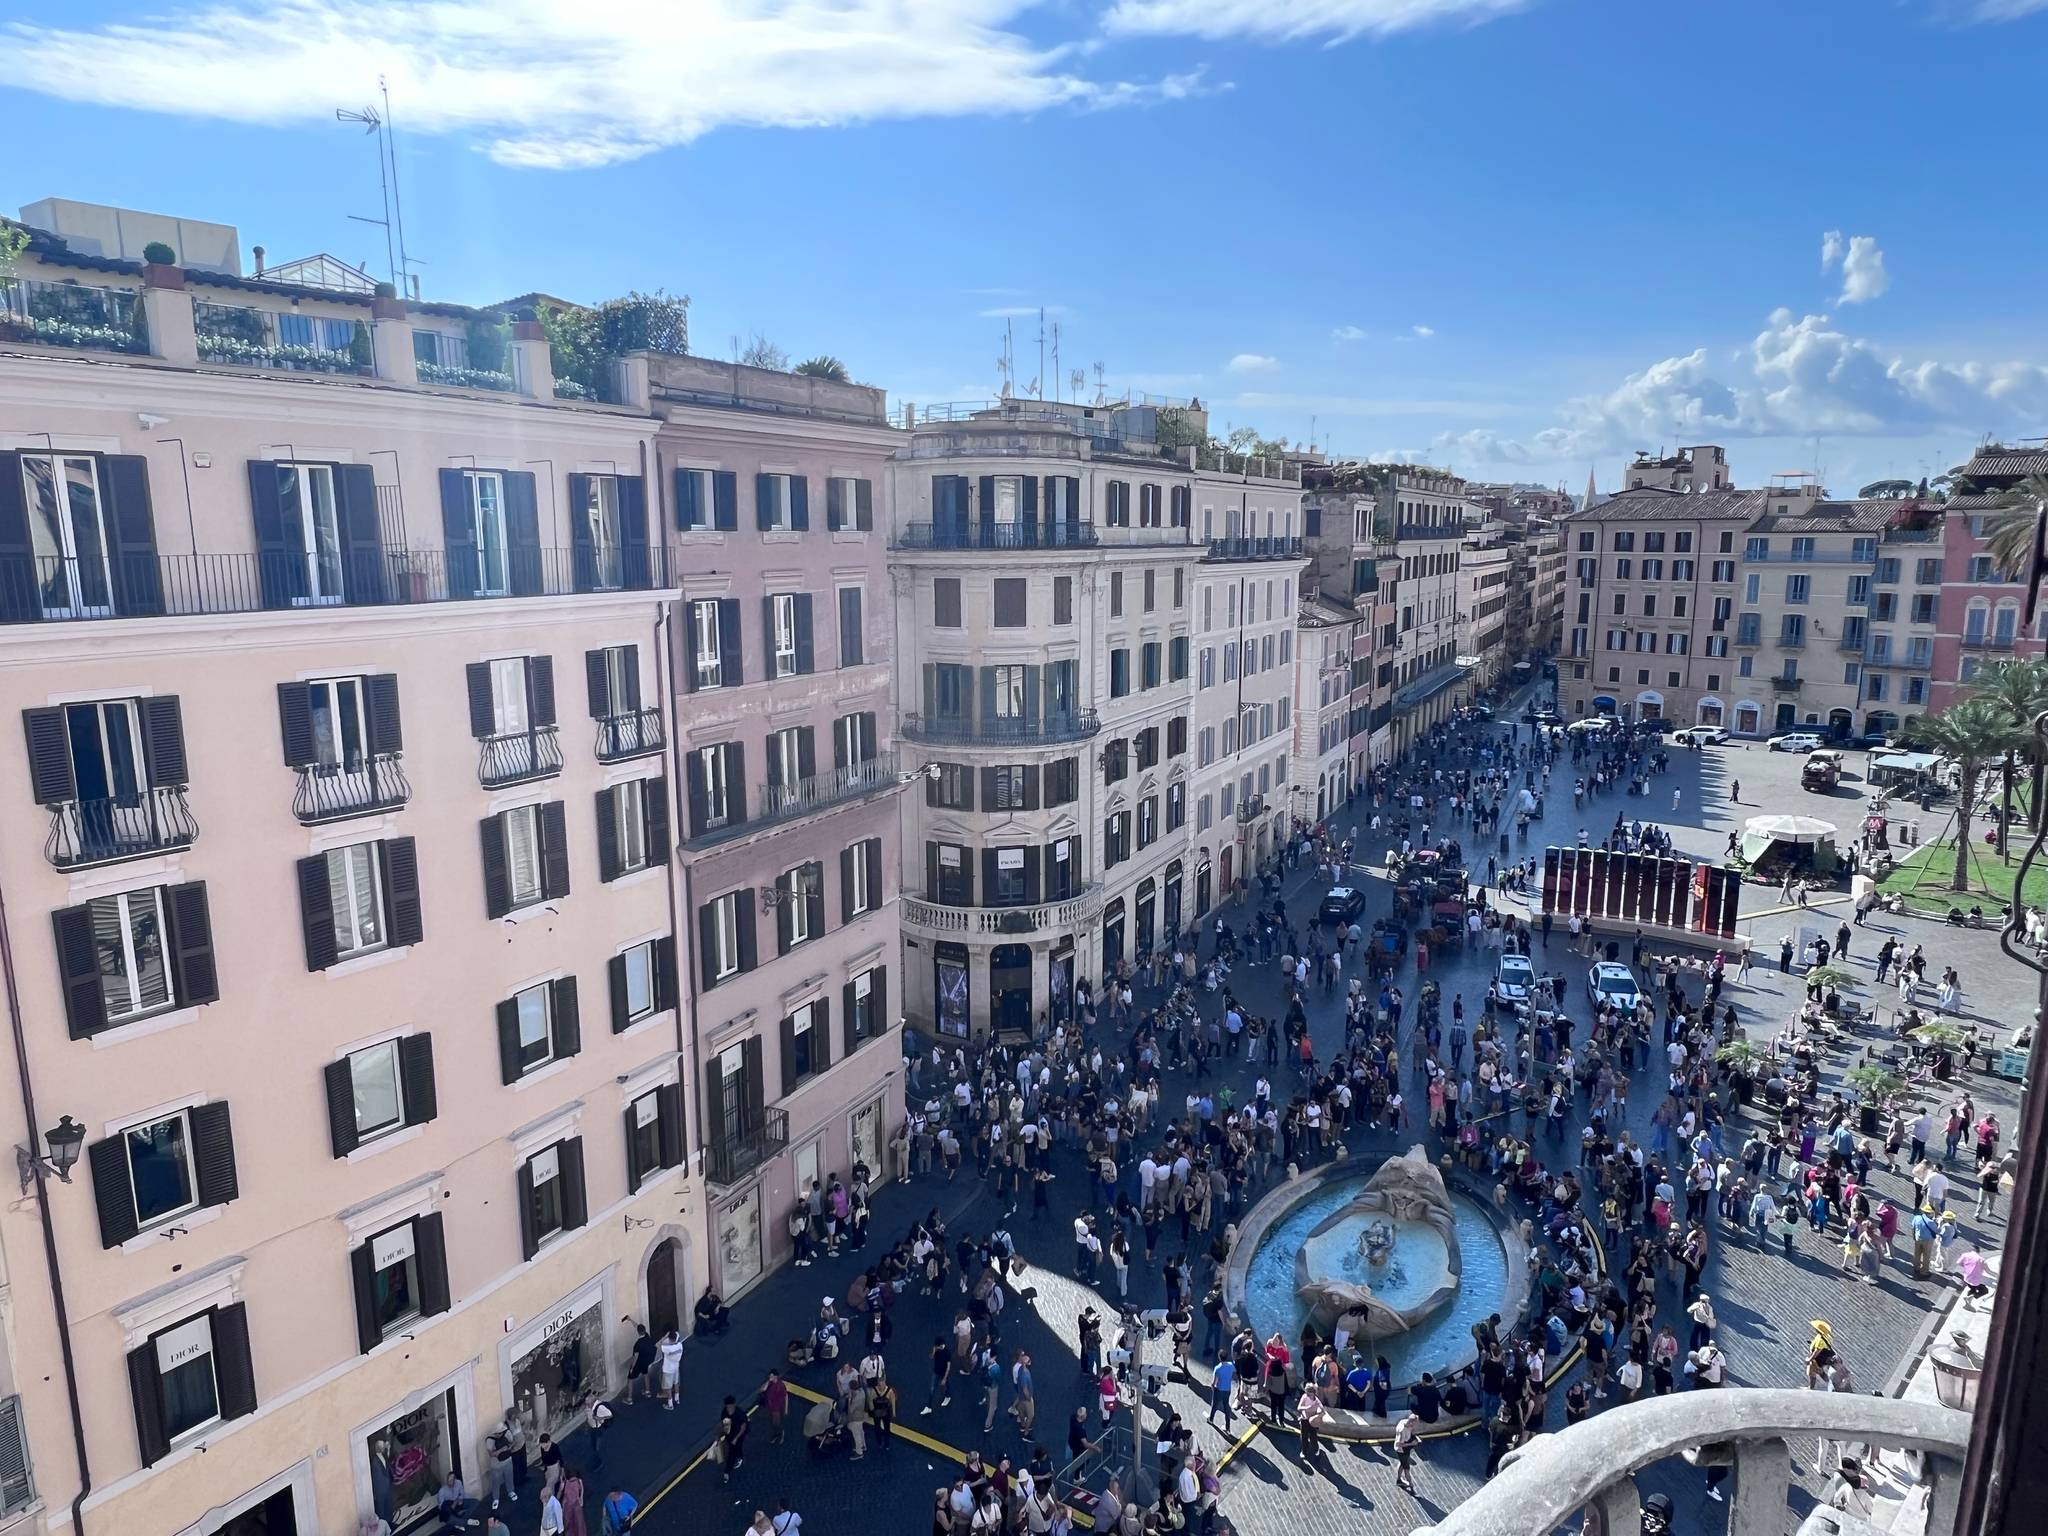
pixel 158 254
pixel 359 348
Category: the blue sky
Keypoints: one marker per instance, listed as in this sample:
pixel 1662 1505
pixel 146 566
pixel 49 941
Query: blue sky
pixel 1522 237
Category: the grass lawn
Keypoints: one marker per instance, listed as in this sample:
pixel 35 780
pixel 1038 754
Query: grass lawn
pixel 1923 877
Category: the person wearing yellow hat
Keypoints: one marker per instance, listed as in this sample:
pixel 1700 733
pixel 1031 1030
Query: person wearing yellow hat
pixel 1820 1351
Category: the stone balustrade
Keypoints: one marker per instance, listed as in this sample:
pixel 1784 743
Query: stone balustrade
pixel 1543 1486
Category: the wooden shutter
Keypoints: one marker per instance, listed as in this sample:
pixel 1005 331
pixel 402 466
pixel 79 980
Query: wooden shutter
pixel 654 798
pixel 233 1369
pixel 554 850
pixel 497 870
pixel 78 965
pixel 725 498
pixel 522 534
pixel 835 503
pixel 563 1014
pixel 213 1153
pixel 988 509
pixel 483 718
pixel 575 1200
pixel 615 984
pixel 295 724
pixel 744 923
pixel 989 874
pixel 821 1034
pixel 877 879
pixel 597 682
pixel 688 513
pixel 789 1078
pixel 665 972
pixel 633 552
pixel 849 1006
pixel 800 502
pixel 362 1268
pixel 1031 773
pixel 362 541
pixel 342 1133
pixel 113 1189
pixel 784 927
pixel 163 742
pixel 582 556
pixel 707 930
pixel 806 654
pixel 146 1392
pixel 755 1085
pixel 634 1172
pixel 846 884
pixel 508 1043
pixel 768 636
pixel 1031 887
pixel 316 913
pixel 430 1259
pixel 668 1103
pixel 280 542
pixel 696 792
pixel 138 580
pixel 529 1237
pixel 191 942
pixel 608 834
pixel 49 756
pixel 387 732
pixel 458 534
pixel 864 505
pixel 400 869
pixel 20 591
pixel 731 659
pixel 540 690
pixel 764 501
pixel 815 901
pixel 416 1077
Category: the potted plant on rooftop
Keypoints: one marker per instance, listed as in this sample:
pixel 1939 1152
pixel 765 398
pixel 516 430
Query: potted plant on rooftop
pixel 160 267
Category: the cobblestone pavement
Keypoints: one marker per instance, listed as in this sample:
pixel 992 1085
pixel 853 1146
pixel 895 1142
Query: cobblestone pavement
pixel 1765 1301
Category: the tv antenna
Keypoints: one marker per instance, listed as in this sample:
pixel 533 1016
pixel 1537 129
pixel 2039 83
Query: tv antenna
pixel 378 123
pixel 1101 392
pixel 1006 365
pixel 1055 361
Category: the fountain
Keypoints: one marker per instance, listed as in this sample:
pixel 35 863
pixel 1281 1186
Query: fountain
pixel 1401 1261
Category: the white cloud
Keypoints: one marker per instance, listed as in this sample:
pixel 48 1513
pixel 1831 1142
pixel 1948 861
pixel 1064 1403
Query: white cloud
pixel 544 84
pixel 1353 405
pixel 1863 274
pixel 1020 311
pixel 1284 21
pixel 1424 331
pixel 1253 362
pixel 1799 376
pixel 1348 333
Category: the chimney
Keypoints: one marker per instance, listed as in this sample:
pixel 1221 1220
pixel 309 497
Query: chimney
pixel 257 252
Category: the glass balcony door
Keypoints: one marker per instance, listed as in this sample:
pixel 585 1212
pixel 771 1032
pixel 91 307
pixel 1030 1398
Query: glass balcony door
pixel 68 533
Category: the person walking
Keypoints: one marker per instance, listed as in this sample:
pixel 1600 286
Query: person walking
pixel 1220 1386
pixel 1407 1437
pixel 730 1449
pixel 1023 1406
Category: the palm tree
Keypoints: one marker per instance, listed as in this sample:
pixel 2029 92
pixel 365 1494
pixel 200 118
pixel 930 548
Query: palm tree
pixel 1970 734
pixel 2009 537
pixel 2020 689
pixel 824 366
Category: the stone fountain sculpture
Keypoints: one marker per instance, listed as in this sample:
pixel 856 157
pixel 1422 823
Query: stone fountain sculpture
pixel 1401 1218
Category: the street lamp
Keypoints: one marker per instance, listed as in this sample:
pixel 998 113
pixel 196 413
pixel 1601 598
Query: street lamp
pixel 65 1141
pixel 1957 1370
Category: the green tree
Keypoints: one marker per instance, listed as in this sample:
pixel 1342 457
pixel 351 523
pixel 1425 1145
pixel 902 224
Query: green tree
pixel 2009 539
pixel 2020 690
pixel 824 366
pixel 1177 430
pixel 760 352
pixel 1970 734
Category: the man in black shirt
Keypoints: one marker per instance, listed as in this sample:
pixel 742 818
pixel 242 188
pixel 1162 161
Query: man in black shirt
pixel 1426 1399
pixel 942 1375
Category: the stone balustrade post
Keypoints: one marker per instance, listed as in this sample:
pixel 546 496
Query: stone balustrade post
pixel 1763 1471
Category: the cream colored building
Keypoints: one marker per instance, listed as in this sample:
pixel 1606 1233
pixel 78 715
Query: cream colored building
pixel 340 909
pixel 1421 527
pixel 1803 625
pixel 1485 594
pixel 1326 633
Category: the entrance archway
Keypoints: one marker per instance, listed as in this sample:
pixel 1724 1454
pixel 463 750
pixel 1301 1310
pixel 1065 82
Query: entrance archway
pixel 1202 892
pixel 664 1301
pixel 1009 988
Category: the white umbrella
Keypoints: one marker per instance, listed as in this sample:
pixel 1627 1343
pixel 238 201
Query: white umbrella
pixel 1789 829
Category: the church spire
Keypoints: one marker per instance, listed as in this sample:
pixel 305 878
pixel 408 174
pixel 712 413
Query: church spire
pixel 1590 492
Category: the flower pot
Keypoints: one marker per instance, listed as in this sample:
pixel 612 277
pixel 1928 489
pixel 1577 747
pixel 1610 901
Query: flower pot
pixel 161 274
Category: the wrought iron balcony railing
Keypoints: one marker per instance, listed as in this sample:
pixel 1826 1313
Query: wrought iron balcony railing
pixel 730 1159
pixel 986 533
pixel 629 733
pixel 1264 547
pixel 332 792
pixel 773 804
pixel 515 757
pixel 102 831
pixel 1018 731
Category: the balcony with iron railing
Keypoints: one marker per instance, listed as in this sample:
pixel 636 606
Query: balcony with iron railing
pixel 1454 530
pixel 1272 546
pixel 988 534
pixel 36 588
pixel 739 1152
pixel 629 733
pixel 518 757
pixel 337 791
pixel 1003 731
pixel 1787 684
pixel 105 830
pixel 1545 1485
pixel 1251 808
pixel 1982 642
pixel 285 340
pixel 77 315
pixel 775 804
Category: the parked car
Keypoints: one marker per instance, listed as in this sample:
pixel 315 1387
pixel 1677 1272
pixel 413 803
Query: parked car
pixel 1341 904
pixel 1822 770
pixel 1795 741
pixel 1513 977
pixel 1614 984
pixel 1701 736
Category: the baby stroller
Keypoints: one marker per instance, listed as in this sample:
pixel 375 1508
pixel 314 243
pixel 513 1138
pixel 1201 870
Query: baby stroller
pixel 825 1433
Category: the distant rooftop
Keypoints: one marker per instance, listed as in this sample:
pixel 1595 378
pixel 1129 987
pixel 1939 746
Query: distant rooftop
pixel 1653 503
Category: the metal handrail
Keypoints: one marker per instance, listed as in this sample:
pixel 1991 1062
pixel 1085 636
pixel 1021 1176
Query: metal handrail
pixel 335 792
pixel 982 533
pixel 739 1153
pixel 1051 729
pixel 517 757
pixel 774 804
pixel 629 733
pixel 105 829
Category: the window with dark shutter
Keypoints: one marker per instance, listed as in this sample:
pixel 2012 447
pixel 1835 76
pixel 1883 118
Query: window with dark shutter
pixel 554 850
pixel 213 1153
pixel 852 647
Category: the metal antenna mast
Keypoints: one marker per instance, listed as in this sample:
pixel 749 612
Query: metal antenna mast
pixel 397 201
pixel 373 123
